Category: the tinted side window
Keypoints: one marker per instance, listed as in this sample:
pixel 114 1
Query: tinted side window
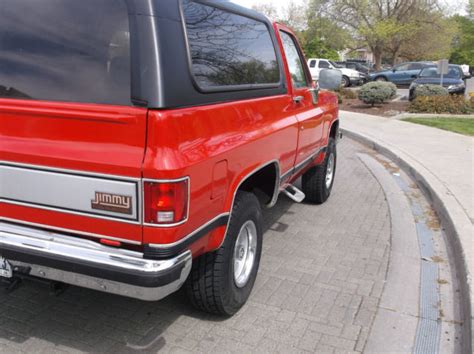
pixel 402 67
pixel 416 66
pixel 228 49
pixel 295 63
pixel 65 50
pixel 312 64
pixel 455 72
pixel 323 64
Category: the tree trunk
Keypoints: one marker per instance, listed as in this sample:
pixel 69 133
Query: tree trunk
pixel 395 56
pixel 378 58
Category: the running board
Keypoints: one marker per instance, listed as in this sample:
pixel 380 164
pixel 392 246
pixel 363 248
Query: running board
pixel 294 193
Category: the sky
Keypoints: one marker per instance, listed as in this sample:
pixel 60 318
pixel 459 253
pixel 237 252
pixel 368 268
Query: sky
pixel 457 6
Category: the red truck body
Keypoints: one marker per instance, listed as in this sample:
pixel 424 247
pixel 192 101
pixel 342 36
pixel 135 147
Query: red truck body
pixel 215 148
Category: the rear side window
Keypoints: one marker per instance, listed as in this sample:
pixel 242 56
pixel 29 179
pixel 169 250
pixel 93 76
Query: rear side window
pixel 229 50
pixel 324 64
pixel 65 50
pixel 416 66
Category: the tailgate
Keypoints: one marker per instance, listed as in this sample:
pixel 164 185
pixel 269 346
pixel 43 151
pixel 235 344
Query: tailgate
pixel 72 167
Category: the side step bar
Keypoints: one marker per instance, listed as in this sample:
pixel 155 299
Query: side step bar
pixel 294 193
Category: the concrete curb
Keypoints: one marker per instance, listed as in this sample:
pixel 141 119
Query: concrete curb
pixel 395 325
pixel 457 224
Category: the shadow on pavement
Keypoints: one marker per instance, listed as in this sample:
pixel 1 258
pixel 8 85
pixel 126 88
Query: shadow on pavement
pixel 86 320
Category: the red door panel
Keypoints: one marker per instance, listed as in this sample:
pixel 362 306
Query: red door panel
pixel 307 112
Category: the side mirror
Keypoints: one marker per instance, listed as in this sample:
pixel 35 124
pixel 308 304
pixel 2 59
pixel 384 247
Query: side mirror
pixel 394 70
pixel 414 76
pixel 330 79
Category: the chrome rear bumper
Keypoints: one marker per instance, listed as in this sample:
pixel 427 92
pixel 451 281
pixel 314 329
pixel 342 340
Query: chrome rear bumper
pixel 88 264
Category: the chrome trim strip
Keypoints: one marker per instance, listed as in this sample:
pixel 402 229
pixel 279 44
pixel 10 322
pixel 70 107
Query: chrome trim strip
pixel 170 245
pixel 68 171
pixel 276 191
pixel 286 174
pixel 71 231
pixel 302 164
pixel 277 162
pixel 55 244
pixel 166 181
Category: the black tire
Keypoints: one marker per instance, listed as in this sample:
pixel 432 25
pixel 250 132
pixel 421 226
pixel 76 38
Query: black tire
pixel 381 78
pixel 314 180
pixel 211 286
pixel 346 82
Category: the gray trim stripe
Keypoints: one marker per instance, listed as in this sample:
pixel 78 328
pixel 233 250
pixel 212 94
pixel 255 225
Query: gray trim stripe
pixel 69 171
pixel 191 235
pixel 66 192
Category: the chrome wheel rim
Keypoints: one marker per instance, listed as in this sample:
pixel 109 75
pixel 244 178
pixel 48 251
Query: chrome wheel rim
pixel 244 253
pixel 330 171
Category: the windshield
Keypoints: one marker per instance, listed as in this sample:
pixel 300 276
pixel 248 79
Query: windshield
pixel 335 65
pixel 432 72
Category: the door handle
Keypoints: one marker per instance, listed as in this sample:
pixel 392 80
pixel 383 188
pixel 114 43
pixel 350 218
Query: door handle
pixel 298 99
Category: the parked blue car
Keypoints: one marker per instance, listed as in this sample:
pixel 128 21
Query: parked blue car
pixel 401 74
pixel 453 81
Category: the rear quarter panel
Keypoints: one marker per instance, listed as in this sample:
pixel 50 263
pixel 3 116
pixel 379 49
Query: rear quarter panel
pixel 192 141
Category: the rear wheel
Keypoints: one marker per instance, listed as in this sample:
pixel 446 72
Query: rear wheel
pixel 317 182
pixel 220 282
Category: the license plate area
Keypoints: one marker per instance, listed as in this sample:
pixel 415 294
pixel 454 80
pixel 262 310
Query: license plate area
pixel 5 268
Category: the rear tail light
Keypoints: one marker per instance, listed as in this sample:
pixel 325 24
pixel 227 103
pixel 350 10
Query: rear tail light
pixel 166 202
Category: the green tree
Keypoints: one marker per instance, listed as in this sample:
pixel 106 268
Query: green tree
pixel 323 37
pixel 378 23
pixel 320 37
pixel 317 48
pixel 463 52
pixel 428 40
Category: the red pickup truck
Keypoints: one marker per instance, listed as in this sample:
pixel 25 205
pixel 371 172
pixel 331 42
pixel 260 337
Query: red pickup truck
pixel 140 139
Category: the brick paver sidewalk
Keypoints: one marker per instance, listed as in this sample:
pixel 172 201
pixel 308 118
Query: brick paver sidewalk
pixel 321 277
